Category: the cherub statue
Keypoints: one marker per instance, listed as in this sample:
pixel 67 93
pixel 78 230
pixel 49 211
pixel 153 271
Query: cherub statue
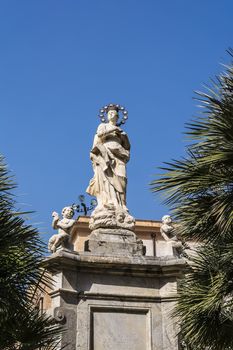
pixel 167 229
pixel 63 226
pixel 168 233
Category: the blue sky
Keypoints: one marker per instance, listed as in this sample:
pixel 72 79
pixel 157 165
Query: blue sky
pixel 62 60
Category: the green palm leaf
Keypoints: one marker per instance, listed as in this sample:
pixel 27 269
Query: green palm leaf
pixel 199 191
pixel 22 277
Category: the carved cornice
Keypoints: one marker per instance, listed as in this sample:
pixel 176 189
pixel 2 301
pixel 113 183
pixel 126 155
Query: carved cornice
pixel 126 265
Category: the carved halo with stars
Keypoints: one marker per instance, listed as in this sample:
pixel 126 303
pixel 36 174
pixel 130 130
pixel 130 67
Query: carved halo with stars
pixel 104 110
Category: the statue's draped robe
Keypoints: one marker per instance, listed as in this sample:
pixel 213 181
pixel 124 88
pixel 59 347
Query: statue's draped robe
pixel 109 155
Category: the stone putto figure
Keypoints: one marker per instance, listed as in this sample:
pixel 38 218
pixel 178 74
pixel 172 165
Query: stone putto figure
pixel 109 155
pixel 167 229
pixel 168 233
pixel 63 226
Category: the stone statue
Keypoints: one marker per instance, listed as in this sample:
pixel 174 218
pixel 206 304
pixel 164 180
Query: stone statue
pixel 168 233
pixel 167 229
pixel 63 226
pixel 109 155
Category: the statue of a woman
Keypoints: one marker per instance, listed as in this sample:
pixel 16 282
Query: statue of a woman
pixel 109 155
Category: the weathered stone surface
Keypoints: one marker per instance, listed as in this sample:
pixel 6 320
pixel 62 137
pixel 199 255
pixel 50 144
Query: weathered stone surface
pixel 115 302
pixel 109 155
pixel 114 242
pixel 111 217
pixel 137 265
pixel 68 318
pixel 120 329
pixel 170 326
pixel 64 226
pixel 174 246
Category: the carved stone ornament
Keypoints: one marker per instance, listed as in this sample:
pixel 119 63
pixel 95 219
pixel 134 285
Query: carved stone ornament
pixel 59 315
pixel 64 226
pixel 167 228
pixel 168 233
pixel 111 217
pixel 109 155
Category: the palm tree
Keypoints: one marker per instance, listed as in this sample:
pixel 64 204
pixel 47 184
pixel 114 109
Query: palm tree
pixel 199 190
pixel 22 326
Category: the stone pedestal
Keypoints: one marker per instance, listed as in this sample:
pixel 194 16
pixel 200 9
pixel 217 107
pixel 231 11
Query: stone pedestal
pixel 115 302
pixel 114 242
pixel 169 248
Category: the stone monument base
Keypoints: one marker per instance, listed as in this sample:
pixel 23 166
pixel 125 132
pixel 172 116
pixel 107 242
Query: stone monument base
pixel 115 302
pixel 112 241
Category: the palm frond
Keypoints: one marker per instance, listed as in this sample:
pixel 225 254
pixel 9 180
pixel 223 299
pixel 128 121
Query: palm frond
pixel 22 277
pixel 199 191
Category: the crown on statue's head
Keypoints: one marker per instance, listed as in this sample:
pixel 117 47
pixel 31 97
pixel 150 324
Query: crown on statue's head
pixel 113 107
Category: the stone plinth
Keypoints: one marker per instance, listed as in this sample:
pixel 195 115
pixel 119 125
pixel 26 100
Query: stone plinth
pixel 115 302
pixel 114 242
pixel 168 248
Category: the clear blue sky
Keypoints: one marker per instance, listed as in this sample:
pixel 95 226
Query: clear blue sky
pixel 62 60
